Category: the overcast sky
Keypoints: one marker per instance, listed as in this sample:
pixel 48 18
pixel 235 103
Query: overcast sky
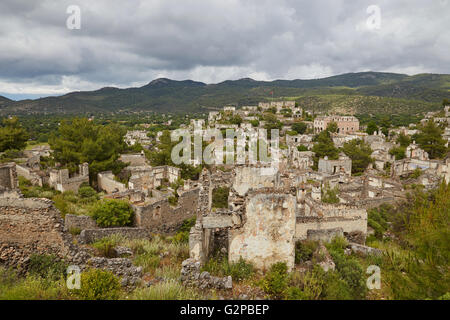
pixel 129 43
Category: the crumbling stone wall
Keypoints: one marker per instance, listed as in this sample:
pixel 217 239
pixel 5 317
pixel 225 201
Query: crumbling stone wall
pixel 30 226
pixel 343 165
pixel 72 221
pixel 267 235
pixel 107 183
pixel 247 178
pixel 161 216
pixel 28 174
pixel 322 216
pixel 191 276
pixel 61 181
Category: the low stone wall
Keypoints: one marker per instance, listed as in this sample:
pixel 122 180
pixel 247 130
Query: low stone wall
pixel 365 250
pixel 302 227
pixel 376 202
pixel 107 183
pixel 122 267
pixel 191 276
pixel 326 235
pixel 72 221
pixel 91 235
pixel 160 216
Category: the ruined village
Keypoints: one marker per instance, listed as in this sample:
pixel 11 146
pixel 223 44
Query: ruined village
pixel 267 214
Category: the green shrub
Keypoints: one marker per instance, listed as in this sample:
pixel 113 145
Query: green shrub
pixel 168 290
pixel 31 287
pixel 304 250
pixel 330 195
pixel 302 148
pixel 86 192
pixel 148 261
pixel 70 196
pixel 241 270
pixel 275 282
pixel 294 293
pixel 46 266
pixel 98 285
pixel 220 197
pixel 113 213
pixel 105 246
pixel 173 200
pixel 182 235
pixel 75 231
pixel 335 288
pixel 352 273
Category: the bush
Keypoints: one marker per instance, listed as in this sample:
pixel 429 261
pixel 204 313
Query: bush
pixel 241 270
pixel 310 282
pixel 98 285
pixel 352 273
pixel 168 290
pixel 87 192
pixel 75 231
pixel 113 213
pixel 220 197
pixel 13 287
pixel 330 195
pixel 294 293
pixel 182 235
pixel 105 246
pixel 304 250
pixel 275 282
pixel 302 148
pixel 46 266
pixel 173 200
pixel 334 288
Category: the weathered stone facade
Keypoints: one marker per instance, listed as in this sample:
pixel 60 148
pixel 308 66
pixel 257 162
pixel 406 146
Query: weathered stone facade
pixel 346 124
pixel 61 181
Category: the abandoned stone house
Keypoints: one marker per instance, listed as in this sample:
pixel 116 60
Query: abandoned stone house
pixel 137 136
pixel 61 180
pixel 300 139
pixel 302 160
pixel 143 178
pixel 346 124
pixel 413 151
pixel 341 166
pixel 277 104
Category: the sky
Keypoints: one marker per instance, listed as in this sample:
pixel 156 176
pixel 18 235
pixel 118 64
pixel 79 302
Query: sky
pixel 54 47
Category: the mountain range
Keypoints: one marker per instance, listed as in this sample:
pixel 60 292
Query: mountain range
pixel 373 92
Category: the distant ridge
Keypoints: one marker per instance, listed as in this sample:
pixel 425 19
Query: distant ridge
pixel 166 95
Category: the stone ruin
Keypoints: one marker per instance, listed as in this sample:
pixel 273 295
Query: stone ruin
pixel 61 180
pixel 9 186
pixel 265 217
pixel 34 226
